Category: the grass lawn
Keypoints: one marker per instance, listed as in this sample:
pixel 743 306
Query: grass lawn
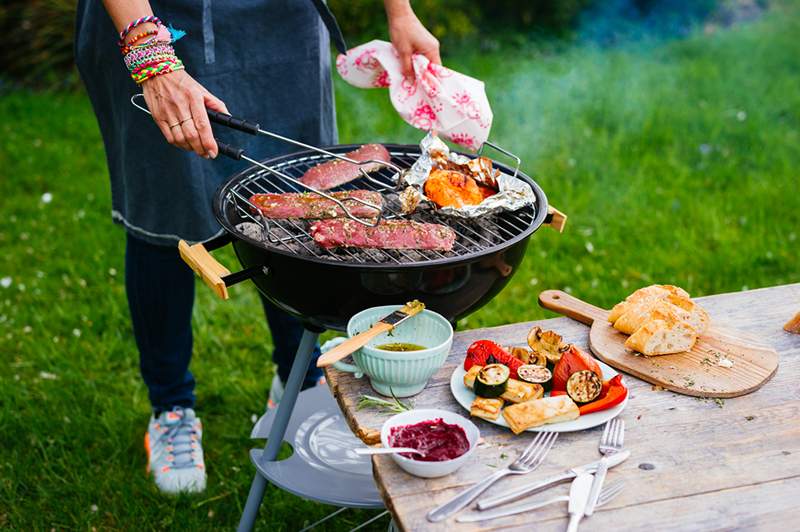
pixel 677 162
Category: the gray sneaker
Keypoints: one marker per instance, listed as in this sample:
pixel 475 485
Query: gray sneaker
pixel 175 452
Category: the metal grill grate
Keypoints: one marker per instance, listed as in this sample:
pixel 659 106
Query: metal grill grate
pixel 292 236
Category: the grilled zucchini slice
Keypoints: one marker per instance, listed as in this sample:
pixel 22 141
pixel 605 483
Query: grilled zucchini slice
pixel 584 386
pixel 492 381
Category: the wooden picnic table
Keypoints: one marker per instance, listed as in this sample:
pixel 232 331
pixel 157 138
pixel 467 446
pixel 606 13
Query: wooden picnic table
pixel 695 464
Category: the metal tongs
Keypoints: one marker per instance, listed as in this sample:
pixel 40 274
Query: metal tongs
pixel 254 128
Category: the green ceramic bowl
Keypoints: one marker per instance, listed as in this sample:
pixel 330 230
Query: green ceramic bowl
pixel 400 373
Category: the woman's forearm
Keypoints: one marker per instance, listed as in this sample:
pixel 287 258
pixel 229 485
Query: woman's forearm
pixel 123 12
pixel 397 8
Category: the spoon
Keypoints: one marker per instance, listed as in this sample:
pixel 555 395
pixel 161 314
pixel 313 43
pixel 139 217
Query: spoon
pixel 387 450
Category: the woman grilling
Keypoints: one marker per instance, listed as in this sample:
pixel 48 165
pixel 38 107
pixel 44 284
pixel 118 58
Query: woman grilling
pixel 266 58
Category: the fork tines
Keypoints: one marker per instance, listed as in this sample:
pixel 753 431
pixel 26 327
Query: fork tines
pixel 613 435
pixel 610 491
pixel 533 455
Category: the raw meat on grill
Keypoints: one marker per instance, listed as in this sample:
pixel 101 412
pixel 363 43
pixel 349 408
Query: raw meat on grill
pixel 313 206
pixel 337 172
pixel 389 234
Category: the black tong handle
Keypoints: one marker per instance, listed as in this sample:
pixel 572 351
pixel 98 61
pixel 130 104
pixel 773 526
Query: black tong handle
pixel 229 151
pixel 233 123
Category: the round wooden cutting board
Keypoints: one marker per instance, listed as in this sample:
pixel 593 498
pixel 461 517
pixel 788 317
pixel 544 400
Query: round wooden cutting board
pixel 696 372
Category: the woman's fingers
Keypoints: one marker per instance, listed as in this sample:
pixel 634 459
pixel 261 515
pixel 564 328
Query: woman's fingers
pixel 174 115
pixel 405 62
pixel 192 136
pixel 203 126
pixel 433 56
pixel 212 102
pixel 187 124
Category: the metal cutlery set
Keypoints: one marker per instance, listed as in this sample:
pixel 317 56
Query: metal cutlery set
pixel 586 491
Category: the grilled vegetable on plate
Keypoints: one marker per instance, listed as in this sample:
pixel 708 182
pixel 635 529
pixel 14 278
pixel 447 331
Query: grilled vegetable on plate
pixel 584 386
pixel 492 382
pixel 536 374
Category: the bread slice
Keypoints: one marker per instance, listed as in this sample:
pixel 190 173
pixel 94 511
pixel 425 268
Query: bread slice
pixel 523 416
pixel 662 334
pixel 652 292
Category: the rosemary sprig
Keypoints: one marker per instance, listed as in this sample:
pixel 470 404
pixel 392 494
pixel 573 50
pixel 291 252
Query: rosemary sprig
pixel 395 406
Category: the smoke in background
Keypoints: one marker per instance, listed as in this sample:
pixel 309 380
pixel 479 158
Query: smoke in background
pixel 609 22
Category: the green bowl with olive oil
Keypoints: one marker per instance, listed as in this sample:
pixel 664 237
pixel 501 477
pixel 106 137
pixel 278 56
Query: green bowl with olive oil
pixel 400 362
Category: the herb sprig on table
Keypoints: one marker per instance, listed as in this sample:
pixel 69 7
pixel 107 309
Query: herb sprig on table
pixel 395 406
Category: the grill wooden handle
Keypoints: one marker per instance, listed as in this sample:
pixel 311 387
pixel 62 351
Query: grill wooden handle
pixel 555 219
pixel 352 344
pixel 206 266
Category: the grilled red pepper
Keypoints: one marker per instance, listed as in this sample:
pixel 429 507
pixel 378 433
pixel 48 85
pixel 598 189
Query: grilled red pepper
pixel 613 393
pixel 484 352
pixel 571 361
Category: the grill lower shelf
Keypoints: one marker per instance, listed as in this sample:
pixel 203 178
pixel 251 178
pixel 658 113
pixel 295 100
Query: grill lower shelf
pixel 322 467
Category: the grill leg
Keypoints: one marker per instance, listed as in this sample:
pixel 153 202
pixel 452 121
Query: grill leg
pixel 278 429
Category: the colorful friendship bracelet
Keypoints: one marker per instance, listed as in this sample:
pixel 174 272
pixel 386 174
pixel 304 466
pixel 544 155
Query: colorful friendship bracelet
pixel 140 36
pixel 153 57
pixel 164 67
pixel 142 53
pixel 139 21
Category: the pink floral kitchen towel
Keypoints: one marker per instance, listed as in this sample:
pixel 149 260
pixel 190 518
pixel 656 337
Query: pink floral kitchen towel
pixel 439 99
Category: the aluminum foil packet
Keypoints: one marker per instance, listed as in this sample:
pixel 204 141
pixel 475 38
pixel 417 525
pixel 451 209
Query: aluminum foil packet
pixel 513 194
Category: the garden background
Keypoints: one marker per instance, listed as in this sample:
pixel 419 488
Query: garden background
pixel 668 131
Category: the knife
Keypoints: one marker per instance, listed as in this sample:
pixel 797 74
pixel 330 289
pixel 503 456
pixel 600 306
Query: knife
pixel 529 489
pixel 358 341
pixel 578 497
pixel 606 495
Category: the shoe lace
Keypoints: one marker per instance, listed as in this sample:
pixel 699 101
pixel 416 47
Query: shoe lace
pixel 182 437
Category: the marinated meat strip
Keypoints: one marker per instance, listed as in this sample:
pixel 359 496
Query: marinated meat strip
pixel 389 234
pixel 313 206
pixel 337 172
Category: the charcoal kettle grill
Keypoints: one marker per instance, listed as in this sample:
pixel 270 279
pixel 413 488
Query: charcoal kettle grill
pixel 325 287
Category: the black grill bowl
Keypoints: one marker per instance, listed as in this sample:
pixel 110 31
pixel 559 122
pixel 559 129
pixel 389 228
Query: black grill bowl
pixel 325 293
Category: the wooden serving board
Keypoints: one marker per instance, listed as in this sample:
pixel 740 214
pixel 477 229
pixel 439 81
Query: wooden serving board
pixel 694 372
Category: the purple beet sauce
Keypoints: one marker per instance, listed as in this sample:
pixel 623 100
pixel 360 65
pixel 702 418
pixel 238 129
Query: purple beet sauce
pixel 439 440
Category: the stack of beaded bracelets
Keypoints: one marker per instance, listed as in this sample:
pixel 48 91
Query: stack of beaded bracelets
pixel 150 53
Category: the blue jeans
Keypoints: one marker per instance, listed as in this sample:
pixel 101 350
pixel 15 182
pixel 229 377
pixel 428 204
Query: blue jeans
pixel 160 290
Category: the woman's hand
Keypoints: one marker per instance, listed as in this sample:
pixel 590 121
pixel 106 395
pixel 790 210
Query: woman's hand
pixel 178 105
pixel 409 36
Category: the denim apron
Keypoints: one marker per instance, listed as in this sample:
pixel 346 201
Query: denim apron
pixel 268 60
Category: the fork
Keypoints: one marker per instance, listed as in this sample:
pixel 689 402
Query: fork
pixel 610 442
pixel 529 460
pixel 609 492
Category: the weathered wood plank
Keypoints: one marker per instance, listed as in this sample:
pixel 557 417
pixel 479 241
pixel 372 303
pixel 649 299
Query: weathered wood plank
pixel 703 455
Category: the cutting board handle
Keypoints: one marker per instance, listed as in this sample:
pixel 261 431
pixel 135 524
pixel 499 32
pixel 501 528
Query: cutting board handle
pixel 572 307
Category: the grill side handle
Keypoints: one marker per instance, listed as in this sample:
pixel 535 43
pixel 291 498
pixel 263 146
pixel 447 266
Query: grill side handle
pixel 215 275
pixel 555 219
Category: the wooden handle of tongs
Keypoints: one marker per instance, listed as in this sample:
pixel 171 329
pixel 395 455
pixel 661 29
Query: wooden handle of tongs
pixel 555 219
pixel 352 344
pixel 206 266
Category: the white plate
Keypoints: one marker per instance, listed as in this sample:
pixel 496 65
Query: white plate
pixel 465 396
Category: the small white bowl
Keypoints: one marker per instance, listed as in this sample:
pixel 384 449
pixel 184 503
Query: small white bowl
pixel 431 469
